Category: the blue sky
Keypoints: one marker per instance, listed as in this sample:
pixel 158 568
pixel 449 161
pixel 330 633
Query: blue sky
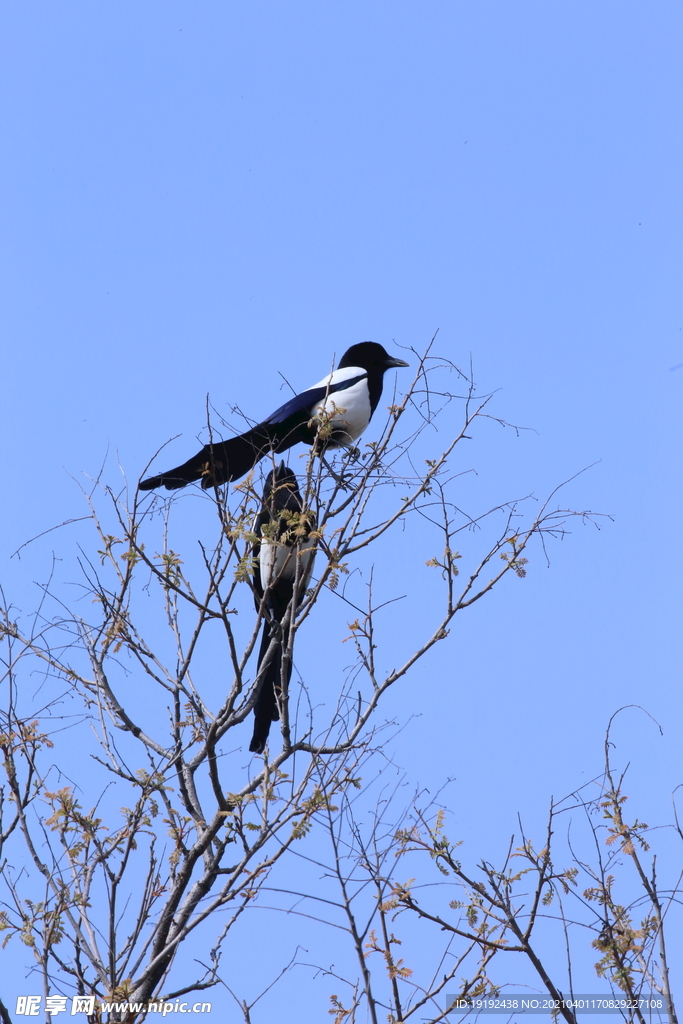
pixel 198 196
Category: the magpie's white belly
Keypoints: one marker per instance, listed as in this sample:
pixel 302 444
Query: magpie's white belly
pixel 349 409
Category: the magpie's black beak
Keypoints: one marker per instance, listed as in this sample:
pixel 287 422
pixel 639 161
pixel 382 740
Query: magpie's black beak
pixel 394 362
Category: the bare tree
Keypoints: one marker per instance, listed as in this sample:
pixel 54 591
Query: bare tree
pixel 603 897
pixel 144 686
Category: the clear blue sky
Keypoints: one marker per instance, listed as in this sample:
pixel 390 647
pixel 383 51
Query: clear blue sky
pixel 197 196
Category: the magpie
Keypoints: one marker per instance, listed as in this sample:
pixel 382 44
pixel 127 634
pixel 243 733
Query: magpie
pixel 283 557
pixel 341 403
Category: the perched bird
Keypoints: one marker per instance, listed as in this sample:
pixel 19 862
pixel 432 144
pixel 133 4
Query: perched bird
pixel 343 402
pixel 283 561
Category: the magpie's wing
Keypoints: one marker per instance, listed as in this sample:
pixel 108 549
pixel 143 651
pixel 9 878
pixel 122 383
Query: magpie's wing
pixel 222 461
pixel 259 519
pixel 307 553
pixel 339 380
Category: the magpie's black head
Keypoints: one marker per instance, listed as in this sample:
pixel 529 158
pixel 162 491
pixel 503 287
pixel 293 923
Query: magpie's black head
pixel 369 356
pixel 282 476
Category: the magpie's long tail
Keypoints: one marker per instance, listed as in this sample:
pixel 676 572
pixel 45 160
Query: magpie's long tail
pixel 219 462
pixel 265 709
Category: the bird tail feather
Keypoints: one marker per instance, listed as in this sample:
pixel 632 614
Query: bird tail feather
pixel 266 707
pixel 222 461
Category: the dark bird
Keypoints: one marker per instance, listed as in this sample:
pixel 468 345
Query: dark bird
pixel 341 403
pixel 283 561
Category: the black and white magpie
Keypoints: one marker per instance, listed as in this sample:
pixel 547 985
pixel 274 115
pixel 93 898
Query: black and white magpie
pixel 283 561
pixel 344 402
